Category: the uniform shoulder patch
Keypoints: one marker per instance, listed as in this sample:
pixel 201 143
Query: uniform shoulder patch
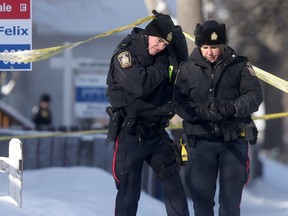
pixel 124 59
pixel 250 68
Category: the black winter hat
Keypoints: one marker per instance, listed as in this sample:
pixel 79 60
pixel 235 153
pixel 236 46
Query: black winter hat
pixel 210 33
pixel 160 27
pixel 45 98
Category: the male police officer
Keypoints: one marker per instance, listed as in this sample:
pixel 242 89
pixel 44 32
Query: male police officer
pixel 140 84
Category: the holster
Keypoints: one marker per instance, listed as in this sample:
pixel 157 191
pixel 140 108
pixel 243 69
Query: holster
pixel 115 122
pixel 251 133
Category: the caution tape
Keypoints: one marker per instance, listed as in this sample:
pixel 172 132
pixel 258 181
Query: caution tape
pixel 271 116
pixel 271 79
pixel 104 131
pixel 262 117
pixel 189 36
pixel 54 134
pixel 40 54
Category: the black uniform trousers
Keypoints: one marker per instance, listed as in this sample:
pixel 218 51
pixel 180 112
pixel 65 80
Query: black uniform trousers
pixel 157 150
pixel 209 160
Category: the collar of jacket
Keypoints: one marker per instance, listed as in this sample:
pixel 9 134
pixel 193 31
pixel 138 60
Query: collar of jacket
pixel 228 56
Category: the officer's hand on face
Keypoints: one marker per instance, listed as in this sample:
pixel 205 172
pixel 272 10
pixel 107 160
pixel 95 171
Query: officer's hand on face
pixel 161 64
pixel 163 59
pixel 179 43
pixel 146 60
pixel 225 107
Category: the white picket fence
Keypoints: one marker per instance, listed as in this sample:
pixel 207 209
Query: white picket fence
pixel 13 166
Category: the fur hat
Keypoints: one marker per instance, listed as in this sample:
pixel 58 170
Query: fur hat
pixel 210 33
pixel 160 27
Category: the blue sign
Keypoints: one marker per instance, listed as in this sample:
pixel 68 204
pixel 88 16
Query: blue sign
pixel 91 94
pixel 6 65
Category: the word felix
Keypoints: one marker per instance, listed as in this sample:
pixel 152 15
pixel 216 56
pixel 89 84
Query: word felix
pixel 14 31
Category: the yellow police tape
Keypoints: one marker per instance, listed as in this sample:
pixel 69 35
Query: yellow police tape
pixel 40 54
pixel 104 131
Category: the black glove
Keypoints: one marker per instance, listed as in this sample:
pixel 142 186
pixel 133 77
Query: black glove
pixel 225 107
pixel 179 44
pixel 145 60
pixel 204 111
pixel 156 14
pixel 161 62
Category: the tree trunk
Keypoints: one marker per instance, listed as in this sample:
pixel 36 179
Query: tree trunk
pixel 189 13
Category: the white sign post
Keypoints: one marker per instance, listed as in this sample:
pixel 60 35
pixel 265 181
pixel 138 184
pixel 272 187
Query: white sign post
pixel 15 31
pixel 13 166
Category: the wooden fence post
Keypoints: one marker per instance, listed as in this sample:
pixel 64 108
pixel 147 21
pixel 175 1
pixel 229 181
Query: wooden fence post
pixel 13 166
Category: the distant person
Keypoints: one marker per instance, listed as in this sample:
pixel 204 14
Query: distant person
pixel 41 114
pixel 216 91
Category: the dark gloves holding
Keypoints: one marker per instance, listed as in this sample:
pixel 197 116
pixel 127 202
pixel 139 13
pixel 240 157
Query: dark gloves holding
pixel 213 110
pixel 205 111
pixel 225 107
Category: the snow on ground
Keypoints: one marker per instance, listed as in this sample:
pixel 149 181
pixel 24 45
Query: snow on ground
pixel 268 196
pixel 79 191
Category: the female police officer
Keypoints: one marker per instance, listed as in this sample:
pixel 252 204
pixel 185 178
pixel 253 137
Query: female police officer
pixel 140 83
pixel 216 90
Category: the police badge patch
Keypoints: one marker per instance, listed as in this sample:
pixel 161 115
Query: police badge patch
pixel 214 36
pixel 250 68
pixel 124 59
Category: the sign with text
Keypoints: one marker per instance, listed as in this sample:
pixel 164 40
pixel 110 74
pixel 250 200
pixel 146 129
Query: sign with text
pixel 90 95
pixel 15 31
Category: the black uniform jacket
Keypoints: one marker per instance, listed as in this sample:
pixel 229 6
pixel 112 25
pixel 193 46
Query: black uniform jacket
pixel 140 83
pixel 232 78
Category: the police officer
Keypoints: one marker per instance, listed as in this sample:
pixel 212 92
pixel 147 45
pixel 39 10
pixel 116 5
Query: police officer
pixel 215 93
pixel 140 83
pixel 41 114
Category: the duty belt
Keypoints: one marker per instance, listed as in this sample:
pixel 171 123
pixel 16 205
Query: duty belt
pixel 228 136
pixel 163 123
